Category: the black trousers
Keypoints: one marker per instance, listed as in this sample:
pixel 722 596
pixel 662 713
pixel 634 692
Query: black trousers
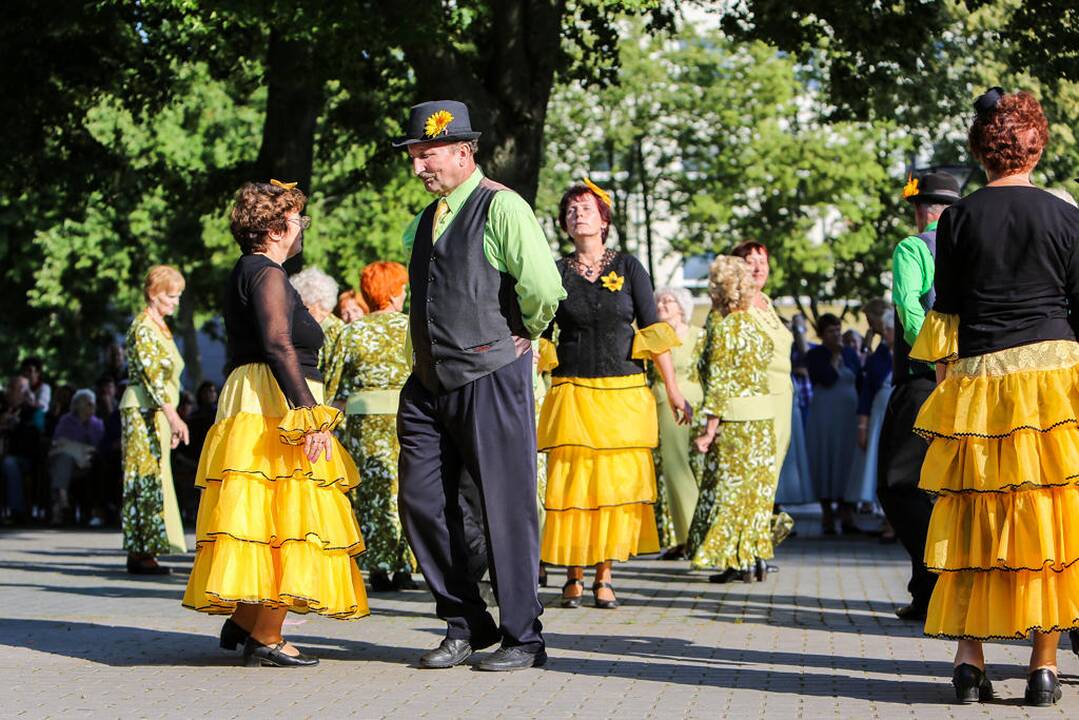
pixel 899 467
pixel 488 429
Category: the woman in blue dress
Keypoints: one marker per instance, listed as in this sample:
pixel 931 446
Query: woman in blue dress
pixel 872 402
pixel 831 433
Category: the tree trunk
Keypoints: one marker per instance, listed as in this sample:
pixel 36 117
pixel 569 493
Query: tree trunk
pixel 185 318
pixel 646 199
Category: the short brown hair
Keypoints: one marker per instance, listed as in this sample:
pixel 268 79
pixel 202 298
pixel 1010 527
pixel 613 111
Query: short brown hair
pixel 575 192
pixel 744 250
pixel 260 209
pixel 381 281
pixel 730 284
pixel 1009 138
pixel 162 278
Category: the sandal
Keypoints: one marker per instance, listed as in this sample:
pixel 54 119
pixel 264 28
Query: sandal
pixel 603 604
pixel 575 601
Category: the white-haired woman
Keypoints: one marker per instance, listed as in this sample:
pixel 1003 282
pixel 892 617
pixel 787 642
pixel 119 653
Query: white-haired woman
pixel 74 442
pixel 732 525
pixel 872 402
pixel 676 486
pixel 318 291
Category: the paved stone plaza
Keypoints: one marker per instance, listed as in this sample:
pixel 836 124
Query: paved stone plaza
pixel 82 639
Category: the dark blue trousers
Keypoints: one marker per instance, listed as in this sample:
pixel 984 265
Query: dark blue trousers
pixel 488 428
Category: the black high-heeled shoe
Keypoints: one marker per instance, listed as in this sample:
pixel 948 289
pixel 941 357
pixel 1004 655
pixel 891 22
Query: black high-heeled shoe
pixel 603 604
pixel 1043 688
pixel 232 634
pixel 761 568
pixel 256 655
pixel 1074 637
pixel 403 581
pixel 971 684
pixel 572 602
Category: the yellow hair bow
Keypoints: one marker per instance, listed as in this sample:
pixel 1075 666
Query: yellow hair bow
pixel 600 192
pixel 283 185
pixel 911 188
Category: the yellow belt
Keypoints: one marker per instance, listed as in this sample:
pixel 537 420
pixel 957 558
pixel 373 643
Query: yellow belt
pixel 758 407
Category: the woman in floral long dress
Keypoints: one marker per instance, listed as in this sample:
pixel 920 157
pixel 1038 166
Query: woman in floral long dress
pixel 368 370
pixel 732 525
pixel 150 515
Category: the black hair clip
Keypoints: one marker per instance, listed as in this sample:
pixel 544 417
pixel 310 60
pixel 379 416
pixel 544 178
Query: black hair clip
pixel 988 100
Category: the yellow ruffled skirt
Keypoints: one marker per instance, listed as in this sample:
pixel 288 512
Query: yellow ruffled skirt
pixel 1004 464
pixel 274 528
pixel 598 434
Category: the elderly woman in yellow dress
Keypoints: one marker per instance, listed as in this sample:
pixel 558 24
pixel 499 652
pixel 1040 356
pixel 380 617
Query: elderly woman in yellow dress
pixel 598 424
pixel 732 525
pixel 676 481
pixel 368 372
pixel 275 529
pixel 151 428
pixel 318 291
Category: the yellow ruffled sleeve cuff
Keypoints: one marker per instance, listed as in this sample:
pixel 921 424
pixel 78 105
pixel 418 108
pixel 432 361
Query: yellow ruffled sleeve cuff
pixel 548 356
pixel 303 420
pixel 653 340
pixel 938 340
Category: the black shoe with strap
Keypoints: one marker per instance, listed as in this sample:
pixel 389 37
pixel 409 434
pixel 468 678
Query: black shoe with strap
pixel 506 659
pixel 1043 688
pixel 257 655
pixel 911 613
pixel 575 601
pixel 971 684
pixel 1074 637
pixel 232 635
pixel 603 604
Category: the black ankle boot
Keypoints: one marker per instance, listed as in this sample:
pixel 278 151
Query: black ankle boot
pixel 1043 688
pixel 971 684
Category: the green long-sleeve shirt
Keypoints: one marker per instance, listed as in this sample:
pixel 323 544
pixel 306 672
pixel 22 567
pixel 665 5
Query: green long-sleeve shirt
pixel 514 243
pixel 912 278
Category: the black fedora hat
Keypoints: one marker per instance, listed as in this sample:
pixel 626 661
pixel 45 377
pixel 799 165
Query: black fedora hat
pixel 437 121
pixel 938 188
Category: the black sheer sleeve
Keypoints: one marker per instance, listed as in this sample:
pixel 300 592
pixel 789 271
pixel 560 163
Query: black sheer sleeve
pixel 272 301
pixel 640 287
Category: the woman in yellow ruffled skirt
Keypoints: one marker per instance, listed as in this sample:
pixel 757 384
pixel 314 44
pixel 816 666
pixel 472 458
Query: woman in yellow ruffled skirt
pixel 598 423
pixel 275 529
pixel 1004 454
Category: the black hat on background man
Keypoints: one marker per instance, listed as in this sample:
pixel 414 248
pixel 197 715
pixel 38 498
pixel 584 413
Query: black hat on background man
pixel 437 121
pixel 938 188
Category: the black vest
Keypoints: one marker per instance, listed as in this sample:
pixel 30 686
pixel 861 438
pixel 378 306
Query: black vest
pixel 464 313
pixel 903 368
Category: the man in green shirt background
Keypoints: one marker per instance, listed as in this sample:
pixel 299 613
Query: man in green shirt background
pixel 484 284
pixel 901 451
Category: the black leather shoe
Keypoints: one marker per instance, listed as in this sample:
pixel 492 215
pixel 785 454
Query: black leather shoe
pixel 575 601
pixel 911 613
pixel 404 581
pixel 1043 688
pixel 232 635
pixel 145 566
pixel 257 655
pixel 603 604
pixel 379 580
pixel 971 684
pixel 450 653
pixel 1074 637
pixel 512 658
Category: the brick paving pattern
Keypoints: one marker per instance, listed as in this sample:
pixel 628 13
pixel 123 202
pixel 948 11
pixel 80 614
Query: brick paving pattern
pixel 80 638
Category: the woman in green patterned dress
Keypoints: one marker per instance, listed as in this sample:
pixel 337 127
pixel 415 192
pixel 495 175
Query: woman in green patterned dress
pixel 368 370
pixel 152 428
pixel 731 526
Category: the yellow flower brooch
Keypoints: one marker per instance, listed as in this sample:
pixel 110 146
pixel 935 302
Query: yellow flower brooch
pixel 911 188
pixel 613 281
pixel 437 123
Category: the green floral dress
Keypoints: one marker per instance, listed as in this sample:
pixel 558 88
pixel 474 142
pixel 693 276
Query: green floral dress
pixel 368 370
pixel 732 524
pixel 332 326
pixel 150 515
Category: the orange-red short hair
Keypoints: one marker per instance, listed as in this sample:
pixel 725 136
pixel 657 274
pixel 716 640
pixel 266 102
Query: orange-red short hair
pixel 1009 138
pixel 381 281
pixel 350 296
pixel 162 279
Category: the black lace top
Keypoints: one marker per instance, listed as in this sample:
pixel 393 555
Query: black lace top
pixel 595 321
pixel 266 322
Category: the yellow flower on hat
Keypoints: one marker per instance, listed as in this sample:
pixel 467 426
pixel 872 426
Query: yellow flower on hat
pixel 613 281
pixel 283 185
pixel 911 188
pixel 437 123
pixel 600 192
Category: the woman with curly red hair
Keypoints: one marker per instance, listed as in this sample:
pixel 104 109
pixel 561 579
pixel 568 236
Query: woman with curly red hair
pixel 1004 454
pixel 368 370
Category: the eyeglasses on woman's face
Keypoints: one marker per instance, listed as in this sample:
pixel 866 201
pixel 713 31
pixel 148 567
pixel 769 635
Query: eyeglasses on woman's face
pixel 304 221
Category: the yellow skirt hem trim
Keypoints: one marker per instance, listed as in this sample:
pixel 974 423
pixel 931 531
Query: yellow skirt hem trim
pixel 1019 634
pixel 275 542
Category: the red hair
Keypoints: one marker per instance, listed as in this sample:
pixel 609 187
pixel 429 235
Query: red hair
pixel 1009 138
pixel 575 192
pixel 744 250
pixel 355 297
pixel 381 281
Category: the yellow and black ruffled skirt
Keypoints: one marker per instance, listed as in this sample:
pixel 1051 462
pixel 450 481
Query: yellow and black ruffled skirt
pixel 1004 465
pixel 274 528
pixel 598 434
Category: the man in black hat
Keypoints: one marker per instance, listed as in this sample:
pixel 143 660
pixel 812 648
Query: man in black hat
pixel 484 284
pixel 899 464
